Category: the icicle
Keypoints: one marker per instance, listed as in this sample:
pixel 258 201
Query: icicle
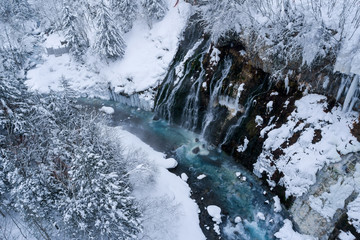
pixel 351 93
pixel 344 82
pixel 286 82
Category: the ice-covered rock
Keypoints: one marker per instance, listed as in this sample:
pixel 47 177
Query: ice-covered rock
pixel 184 177
pixel 237 219
pixel 260 216
pixel 201 176
pixel 215 212
pixel 277 205
pixel 107 110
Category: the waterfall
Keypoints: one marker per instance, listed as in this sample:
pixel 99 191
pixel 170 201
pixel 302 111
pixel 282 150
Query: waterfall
pixel 214 96
pixel 230 132
pixel 178 97
pixel 134 100
pixel 190 114
pixel 164 106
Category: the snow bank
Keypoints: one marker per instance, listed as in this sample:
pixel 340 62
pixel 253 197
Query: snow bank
pixel 175 216
pixel 149 52
pixel 346 236
pixel 147 58
pixel 287 233
pixel 323 138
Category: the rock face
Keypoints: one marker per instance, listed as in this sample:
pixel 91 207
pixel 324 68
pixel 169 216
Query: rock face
pixel 231 95
pixel 336 187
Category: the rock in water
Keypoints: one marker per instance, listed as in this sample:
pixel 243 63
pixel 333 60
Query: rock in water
pixel 196 150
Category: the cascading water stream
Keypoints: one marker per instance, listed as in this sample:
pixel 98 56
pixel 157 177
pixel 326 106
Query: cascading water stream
pixel 190 114
pixel 230 132
pixel 231 187
pixel 214 96
pixel 177 80
pixel 165 107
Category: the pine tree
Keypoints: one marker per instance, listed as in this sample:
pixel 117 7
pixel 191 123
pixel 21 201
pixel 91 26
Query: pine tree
pixel 99 202
pixel 75 36
pixel 126 12
pixel 14 101
pixel 22 10
pixel 109 44
pixel 154 9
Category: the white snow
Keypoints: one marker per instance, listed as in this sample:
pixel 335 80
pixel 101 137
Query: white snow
pixel 149 52
pixel 107 110
pixel 346 236
pixel 215 56
pixel 215 212
pixel 259 120
pixel 169 211
pixel 260 216
pixel 204 85
pixel 237 219
pixel 179 69
pixel 184 177
pixel 233 103
pixel 242 148
pixel 269 107
pixel 277 205
pixel 202 176
pixel 148 55
pixel 266 130
pixel 48 75
pixel 168 163
pixel 303 159
pixel 287 233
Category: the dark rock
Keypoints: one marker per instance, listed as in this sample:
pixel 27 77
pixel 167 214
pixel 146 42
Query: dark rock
pixel 196 150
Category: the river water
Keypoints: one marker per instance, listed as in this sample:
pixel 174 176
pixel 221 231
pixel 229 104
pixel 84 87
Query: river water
pixel 227 185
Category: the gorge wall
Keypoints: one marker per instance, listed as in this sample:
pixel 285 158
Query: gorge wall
pixel 238 100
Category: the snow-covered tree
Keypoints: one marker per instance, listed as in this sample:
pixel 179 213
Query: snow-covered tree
pixel 109 44
pixel 98 202
pixel 14 101
pixel 22 10
pixel 61 165
pixel 126 12
pixel 15 11
pixel 75 35
pixel 154 9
